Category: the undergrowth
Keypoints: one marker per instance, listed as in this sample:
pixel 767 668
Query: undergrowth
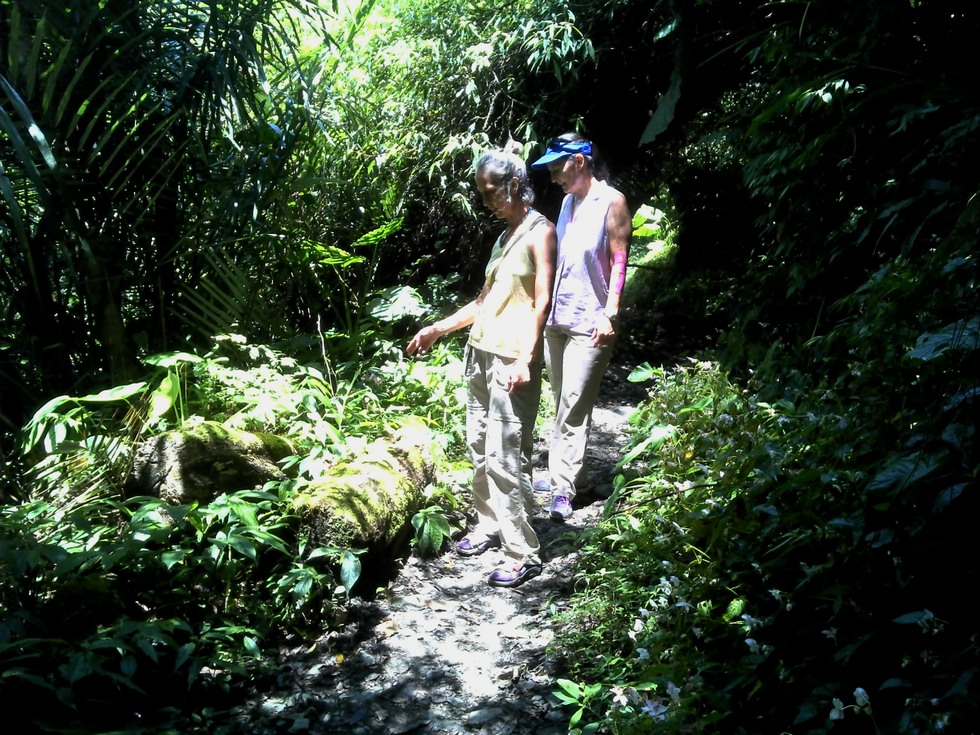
pixel 778 554
pixel 112 607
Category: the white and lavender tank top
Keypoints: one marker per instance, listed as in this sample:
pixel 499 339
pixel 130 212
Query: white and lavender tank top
pixel 582 270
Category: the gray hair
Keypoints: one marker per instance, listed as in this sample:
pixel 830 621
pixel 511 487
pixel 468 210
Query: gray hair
pixel 501 167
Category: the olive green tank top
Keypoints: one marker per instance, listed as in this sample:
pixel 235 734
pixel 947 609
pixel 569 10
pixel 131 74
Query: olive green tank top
pixel 507 313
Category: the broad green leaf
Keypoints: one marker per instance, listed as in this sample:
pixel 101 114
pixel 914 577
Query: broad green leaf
pixel 962 685
pixel 252 647
pixel 912 617
pixel 350 570
pixel 269 539
pixel 243 546
pixel 735 608
pixel 302 588
pixel 573 689
pixel 324 551
pixel 435 531
pixel 128 666
pixel 244 511
pixel 642 373
pixel 394 303
pixel 948 495
pixel 118 393
pixel 961 335
pixel 163 398
pixel 664 112
pixel 904 471
pixel 176 556
pixel 658 435
pixel 78 667
pixel 172 359
pixel 183 655
pixel 699 405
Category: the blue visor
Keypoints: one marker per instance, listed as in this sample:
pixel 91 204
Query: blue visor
pixel 558 149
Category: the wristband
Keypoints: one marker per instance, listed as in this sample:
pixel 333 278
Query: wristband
pixel 612 316
pixel 617 276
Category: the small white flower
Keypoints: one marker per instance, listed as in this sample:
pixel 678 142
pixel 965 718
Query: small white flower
pixel 673 691
pixel 642 654
pixel 752 644
pixel 685 605
pixel 644 613
pixel 837 712
pixel 861 697
pixel 654 708
pixel 619 696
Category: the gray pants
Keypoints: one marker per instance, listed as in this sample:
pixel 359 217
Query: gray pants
pixel 575 369
pixel 500 434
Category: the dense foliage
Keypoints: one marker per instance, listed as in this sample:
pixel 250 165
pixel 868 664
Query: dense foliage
pixel 780 557
pixel 111 598
pixel 788 548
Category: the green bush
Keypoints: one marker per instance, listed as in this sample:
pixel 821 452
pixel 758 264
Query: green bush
pixel 757 564
pixel 105 599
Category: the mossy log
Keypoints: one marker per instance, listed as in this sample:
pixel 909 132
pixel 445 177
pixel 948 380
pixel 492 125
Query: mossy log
pixel 369 500
pixel 364 502
pixel 203 462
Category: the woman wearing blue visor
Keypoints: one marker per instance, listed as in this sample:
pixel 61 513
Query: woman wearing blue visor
pixel 594 229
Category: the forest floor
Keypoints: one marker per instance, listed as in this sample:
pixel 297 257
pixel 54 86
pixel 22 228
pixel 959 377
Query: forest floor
pixel 441 652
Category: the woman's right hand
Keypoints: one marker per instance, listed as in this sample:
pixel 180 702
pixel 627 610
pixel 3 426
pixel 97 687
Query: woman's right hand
pixel 604 331
pixel 422 341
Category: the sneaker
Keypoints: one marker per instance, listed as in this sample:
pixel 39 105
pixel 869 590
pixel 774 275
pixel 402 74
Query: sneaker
pixel 541 486
pixel 561 508
pixel 514 577
pixel 467 547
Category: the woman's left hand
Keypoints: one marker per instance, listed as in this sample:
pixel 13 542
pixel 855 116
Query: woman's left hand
pixel 604 331
pixel 518 374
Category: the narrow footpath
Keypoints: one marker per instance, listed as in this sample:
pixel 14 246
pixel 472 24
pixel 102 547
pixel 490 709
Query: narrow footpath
pixel 440 652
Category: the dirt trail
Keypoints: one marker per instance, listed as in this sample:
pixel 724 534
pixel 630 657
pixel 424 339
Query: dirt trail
pixel 441 652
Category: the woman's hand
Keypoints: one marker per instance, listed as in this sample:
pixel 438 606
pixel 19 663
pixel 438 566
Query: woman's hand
pixel 604 331
pixel 518 374
pixel 423 340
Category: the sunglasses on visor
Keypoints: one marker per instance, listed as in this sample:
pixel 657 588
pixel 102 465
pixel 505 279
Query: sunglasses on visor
pixel 570 146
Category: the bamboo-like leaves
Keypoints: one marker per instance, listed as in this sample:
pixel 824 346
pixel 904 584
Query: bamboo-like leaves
pixel 125 130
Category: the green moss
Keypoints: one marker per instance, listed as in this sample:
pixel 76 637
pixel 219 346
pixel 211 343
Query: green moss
pixel 276 447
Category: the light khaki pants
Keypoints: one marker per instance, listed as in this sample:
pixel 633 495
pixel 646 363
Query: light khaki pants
pixel 500 434
pixel 575 370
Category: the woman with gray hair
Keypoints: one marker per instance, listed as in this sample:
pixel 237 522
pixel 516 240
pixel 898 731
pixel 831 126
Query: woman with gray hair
pixel 503 368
